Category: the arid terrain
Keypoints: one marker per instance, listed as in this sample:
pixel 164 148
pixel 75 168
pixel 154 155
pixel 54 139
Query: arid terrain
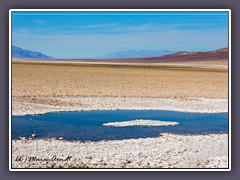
pixel 165 151
pixel 44 85
pixel 40 86
pixel 40 79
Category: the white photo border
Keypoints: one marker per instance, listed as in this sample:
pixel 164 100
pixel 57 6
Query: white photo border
pixel 121 10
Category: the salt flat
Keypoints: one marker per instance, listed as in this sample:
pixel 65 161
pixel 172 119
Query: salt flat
pixel 42 87
pixel 165 151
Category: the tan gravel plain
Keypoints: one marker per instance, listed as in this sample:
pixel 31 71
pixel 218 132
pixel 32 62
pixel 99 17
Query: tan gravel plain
pixel 55 79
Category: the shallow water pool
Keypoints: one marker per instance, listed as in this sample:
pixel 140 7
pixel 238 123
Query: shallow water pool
pixel 87 125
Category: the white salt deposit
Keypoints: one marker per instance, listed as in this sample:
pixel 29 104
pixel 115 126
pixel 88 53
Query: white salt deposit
pixel 194 105
pixel 141 122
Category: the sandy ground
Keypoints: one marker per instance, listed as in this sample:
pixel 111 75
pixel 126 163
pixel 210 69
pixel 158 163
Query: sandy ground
pixel 37 80
pixel 39 88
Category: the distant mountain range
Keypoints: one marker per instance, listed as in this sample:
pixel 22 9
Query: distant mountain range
pixel 183 56
pixel 136 54
pixel 26 54
pixel 164 56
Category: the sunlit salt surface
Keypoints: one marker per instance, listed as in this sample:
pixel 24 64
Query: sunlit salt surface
pixel 88 125
pixel 141 122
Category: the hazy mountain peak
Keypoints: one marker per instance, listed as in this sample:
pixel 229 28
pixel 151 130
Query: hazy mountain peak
pixel 136 54
pixel 26 54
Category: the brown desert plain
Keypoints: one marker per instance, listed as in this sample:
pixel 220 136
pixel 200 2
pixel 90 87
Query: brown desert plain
pixel 187 85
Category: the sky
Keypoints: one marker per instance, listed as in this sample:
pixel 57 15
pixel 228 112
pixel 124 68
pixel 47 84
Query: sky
pixel 94 34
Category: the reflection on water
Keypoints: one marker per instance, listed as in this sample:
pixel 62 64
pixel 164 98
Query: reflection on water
pixel 87 125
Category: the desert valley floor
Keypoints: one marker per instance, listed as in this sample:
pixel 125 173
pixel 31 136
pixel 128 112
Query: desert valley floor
pixel 40 87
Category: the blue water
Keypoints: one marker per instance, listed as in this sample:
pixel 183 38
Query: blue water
pixel 87 125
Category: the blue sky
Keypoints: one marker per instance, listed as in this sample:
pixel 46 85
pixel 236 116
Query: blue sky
pixel 93 34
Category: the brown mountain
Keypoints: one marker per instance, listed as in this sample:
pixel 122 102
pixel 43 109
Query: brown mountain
pixel 220 54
